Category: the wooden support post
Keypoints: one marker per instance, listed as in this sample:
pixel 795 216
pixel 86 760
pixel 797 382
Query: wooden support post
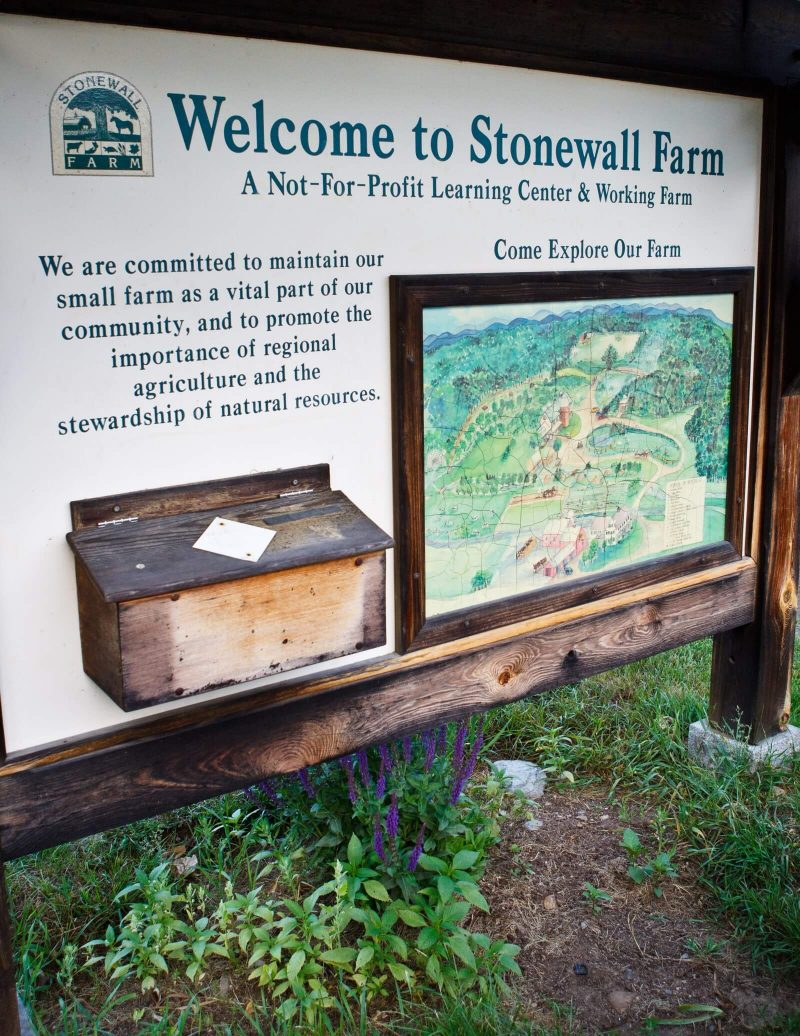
pixel 9 1015
pixel 751 669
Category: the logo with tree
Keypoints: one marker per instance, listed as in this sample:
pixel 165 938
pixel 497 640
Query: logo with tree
pixel 100 125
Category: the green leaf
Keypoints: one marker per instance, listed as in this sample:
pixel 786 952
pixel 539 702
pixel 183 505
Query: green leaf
pixel 446 887
pixel 460 946
pixel 327 841
pixel 411 918
pixel 473 895
pixel 455 912
pixel 244 938
pixel 339 955
pixel 464 859
pixel 509 964
pixel 295 965
pixel 696 1013
pixel 433 969
pixel 402 973
pixel 365 955
pixel 427 937
pixel 377 891
pixel 637 874
pixel 398 945
pixel 432 863
pixel 630 842
pixel 355 851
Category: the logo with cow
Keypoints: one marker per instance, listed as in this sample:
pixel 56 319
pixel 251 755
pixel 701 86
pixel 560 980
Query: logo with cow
pixel 100 126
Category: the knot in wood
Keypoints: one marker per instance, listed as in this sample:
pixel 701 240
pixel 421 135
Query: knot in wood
pixel 504 676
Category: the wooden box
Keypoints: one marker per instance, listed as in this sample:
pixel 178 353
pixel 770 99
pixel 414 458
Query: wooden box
pixel 160 619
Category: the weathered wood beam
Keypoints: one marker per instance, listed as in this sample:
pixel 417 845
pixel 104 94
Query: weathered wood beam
pixel 58 797
pixel 751 667
pixel 757 38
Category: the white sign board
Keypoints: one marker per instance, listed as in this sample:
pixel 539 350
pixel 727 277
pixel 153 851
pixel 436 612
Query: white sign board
pixel 198 234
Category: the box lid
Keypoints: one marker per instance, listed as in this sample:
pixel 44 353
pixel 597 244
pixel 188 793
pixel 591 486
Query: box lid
pixel 144 556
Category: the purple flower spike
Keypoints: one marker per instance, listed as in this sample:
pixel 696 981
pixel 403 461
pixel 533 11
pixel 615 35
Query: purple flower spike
pixel 458 788
pixel 408 749
pixel 473 756
pixel 416 852
pixel 346 764
pixel 377 837
pixel 429 744
pixel 305 781
pixel 393 818
pixel 363 765
pixel 458 744
pixel 380 784
pixel 387 762
pixel 266 787
pixel 441 739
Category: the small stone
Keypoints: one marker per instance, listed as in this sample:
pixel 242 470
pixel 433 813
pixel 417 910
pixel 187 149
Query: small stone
pixel 584 925
pixel 580 969
pixel 550 903
pixel 581 816
pixel 522 776
pixel 628 974
pixel 620 1000
pixel 224 984
pixel 533 825
pixel 606 816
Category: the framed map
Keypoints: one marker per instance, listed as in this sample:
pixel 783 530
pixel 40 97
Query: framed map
pixel 563 436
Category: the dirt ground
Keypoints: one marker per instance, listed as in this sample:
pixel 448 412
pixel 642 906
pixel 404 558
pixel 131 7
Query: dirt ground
pixel 635 958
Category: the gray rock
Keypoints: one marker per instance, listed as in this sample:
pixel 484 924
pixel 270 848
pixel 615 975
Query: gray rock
pixel 620 1000
pixel 707 744
pixel 533 824
pixel 522 776
pixel 25 1026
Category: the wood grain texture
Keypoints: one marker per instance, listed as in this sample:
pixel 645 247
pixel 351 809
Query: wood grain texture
pixel 101 649
pixel 751 684
pixel 9 1015
pixel 751 666
pixel 203 713
pixel 157 555
pixel 699 44
pixel 181 644
pixel 44 803
pixel 410 295
pixel 198 496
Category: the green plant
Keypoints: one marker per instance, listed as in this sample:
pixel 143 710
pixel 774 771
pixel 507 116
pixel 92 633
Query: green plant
pixel 706 949
pixel 655 870
pixel 596 897
pixel 152 933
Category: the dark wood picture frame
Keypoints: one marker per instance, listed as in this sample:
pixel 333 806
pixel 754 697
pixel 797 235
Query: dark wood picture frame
pixel 410 297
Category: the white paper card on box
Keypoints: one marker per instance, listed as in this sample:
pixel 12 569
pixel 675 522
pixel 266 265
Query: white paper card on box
pixel 235 539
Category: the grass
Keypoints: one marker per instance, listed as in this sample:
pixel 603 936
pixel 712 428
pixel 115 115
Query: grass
pixel 627 729
pixel 624 731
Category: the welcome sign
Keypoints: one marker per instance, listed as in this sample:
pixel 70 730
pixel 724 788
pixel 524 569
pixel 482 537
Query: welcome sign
pixel 196 263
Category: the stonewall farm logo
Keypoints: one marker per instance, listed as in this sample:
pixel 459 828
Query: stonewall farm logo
pixel 100 125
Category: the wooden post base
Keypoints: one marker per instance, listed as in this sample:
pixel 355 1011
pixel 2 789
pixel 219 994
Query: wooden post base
pixel 9 1013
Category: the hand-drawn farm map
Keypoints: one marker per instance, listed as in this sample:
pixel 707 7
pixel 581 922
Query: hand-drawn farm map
pixel 564 439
